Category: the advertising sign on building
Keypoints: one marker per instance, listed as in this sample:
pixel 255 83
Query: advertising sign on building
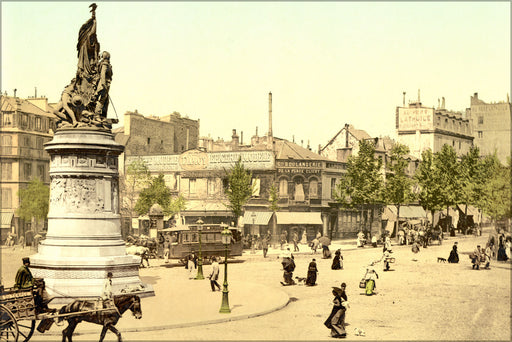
pixel 415 118
pixel 196 160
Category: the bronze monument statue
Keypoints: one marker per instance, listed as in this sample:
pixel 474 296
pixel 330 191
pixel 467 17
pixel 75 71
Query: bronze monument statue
pixel 84 102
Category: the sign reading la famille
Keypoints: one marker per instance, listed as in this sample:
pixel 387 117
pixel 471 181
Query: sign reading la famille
pixel 198 160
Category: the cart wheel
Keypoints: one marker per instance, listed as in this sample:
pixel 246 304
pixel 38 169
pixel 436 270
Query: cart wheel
pixel 26 329
pixel 8 325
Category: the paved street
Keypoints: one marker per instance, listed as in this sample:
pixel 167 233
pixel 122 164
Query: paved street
pixel 420 299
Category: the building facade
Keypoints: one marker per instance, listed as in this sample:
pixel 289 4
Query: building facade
pixel 423 128
pixel 25 126
pixel 492 127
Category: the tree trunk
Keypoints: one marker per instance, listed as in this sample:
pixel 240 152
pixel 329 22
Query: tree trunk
pixel 397 220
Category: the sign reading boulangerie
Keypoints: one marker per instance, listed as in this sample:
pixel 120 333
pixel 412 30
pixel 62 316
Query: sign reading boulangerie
pixel 198 160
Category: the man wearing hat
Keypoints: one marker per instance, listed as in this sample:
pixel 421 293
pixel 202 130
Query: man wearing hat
pixel 24 278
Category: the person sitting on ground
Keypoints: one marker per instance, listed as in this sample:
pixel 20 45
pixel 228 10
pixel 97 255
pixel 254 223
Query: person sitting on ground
pixel 454 256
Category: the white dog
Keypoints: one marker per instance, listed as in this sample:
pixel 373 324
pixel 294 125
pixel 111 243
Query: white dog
pixel 359 332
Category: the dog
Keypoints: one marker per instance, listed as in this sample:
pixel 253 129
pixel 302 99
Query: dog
pixel 301 280
pixel 359 332
pixel 439 259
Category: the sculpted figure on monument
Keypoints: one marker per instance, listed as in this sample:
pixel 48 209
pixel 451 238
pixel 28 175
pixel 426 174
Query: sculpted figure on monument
pixel 84 102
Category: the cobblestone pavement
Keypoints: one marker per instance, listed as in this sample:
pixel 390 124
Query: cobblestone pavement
pixel 420 299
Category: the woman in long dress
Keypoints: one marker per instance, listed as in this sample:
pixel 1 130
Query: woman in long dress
pixel 336 320
pixel 337 263
pixel 312 271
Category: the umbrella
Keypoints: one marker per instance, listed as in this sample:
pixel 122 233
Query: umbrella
pixel 324 240
pixel 38 236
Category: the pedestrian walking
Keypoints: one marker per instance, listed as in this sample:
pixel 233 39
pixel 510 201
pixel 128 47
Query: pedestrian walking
pixel 167 249
pixel 264 245
pixel 368 281
pixel 283 239
pixel 314 245
pixel 304 240
pixel 295 241
pixel 476 257
pixel 374 241
pixel 326 253
pixel 360 239
pixel 24 278
pixel 312 272
pixel 387 259
pixel 337 262
pixel 336 320
pixel 107 287
pixel 214 275
pixel 454 256
pixel 191 265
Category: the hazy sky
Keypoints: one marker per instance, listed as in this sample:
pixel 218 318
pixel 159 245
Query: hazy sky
pixel 326 63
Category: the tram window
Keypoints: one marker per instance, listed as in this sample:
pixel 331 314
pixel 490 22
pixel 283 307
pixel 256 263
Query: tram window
pixel 194 237
pixel 218 237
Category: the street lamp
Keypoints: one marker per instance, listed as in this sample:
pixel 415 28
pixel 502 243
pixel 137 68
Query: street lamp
pixel 253 244
pixel 199 275
pixel 226 240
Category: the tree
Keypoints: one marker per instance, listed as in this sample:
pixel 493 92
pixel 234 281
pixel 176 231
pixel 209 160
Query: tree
pixel 398 187
pixel 239 189
pixel 362 185
pixel 447 176
pixel 496 201
pixel 34 201
pixel 159 193
pixel 471 179
pixel 136 179
pixel 430 196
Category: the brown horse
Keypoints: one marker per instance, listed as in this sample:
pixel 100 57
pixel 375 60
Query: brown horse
pixel 107 318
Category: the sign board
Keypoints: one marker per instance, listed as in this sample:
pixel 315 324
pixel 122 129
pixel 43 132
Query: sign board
pixel 415 118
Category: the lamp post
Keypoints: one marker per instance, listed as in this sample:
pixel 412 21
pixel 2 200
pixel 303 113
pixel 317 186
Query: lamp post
pixel 226 240
pixel 199 275
pixel 253 244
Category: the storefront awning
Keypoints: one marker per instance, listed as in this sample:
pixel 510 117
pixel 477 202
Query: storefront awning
pixel 260 217
pixel 6 219
pixel 298 218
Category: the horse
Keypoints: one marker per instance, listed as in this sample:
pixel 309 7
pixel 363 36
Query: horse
pixel 107 318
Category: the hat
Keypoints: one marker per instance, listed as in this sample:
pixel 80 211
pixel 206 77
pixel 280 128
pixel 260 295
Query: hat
pixel 25 260
pixel 343 285
pixel 337 290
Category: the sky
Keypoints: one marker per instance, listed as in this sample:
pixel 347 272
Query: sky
pixel 326 63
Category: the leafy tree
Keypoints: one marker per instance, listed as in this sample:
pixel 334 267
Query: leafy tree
pixel 496 201
pixel 430 195
pixel 398 187
pixel 447 171
pixel 239 189
pixel 34 201
pixel 362 185
pixel 471 179
pixel 159 193
pixel 136 178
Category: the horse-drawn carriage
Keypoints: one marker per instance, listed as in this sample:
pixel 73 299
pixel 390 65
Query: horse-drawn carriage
pixel 20 308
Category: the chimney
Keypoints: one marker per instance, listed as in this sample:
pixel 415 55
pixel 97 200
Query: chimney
pixel 442 103
pixel 234 139
pixel 256 130
pixel 308 147
pixel 35 92
pixel 15 92
pixel 346 134
pixel 293 138
pixel 419 101
pixel 241 137
pixel 404 99
pixel 270 134
pixel 438 105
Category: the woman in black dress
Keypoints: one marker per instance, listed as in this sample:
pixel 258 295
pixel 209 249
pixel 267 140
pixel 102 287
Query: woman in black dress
pixel 336 320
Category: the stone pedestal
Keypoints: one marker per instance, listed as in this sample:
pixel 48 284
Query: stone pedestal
pixel 84 240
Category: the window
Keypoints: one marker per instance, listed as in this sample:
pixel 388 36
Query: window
pixel 256 187
pixel 459 145
pixel 480 120
pixel 24 120
pixel 298 193
pixel 27 171
pixel 192 186
pixel 40 172
pixel 283 187
pixel 38 123
pixel 6 198
pixel 8 119
pixel 313 188
pixel 6 140
pixel 39 143
pixel 149 141
pixel 7 171
pixel 480 134
pixel 211 186
pixel 333 187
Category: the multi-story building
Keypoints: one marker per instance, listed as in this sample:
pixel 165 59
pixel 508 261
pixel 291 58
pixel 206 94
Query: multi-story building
pixel 423 128
pixel 492 127
pixel 25 125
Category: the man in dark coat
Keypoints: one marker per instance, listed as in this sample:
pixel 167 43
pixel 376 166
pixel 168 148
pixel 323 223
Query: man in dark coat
pixel 24 278
pixel 312 271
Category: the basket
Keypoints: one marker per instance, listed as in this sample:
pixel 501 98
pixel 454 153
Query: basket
pixel 362 284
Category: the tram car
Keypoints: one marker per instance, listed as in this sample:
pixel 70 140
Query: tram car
pixel 185 240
